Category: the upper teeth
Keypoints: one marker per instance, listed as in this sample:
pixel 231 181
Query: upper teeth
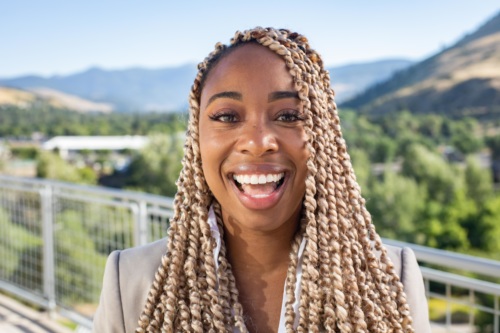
pixel 258 179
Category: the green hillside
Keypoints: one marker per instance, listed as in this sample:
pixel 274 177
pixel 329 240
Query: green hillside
pixel 461 80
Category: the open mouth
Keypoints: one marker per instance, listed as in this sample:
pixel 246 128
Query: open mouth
pixel 259 185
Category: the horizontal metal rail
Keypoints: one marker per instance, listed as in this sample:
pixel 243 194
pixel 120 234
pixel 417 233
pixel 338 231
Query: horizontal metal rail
pixel 451 259
pixel 94 190
pixel 461 281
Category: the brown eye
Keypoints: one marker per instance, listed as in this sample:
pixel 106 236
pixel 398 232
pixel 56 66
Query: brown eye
pixel 289 116
pixel 224 117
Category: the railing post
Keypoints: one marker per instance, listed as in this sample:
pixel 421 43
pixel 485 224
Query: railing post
pixel 472 303
pixel 448 307
pixel 496 318
pixel 141 225
pixel 49 283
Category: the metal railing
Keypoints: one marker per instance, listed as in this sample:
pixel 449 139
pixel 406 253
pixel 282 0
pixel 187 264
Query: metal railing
pixel 460 291
pixel 55 237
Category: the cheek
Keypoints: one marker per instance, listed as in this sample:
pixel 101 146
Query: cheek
pixel 212 157
pixel 208 157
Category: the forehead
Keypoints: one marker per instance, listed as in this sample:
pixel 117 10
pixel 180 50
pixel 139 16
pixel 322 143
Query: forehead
pixel 252 53
pixel 251 64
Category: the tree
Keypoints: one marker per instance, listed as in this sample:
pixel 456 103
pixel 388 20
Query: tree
pixel 464 136
pixel 384 150
pixel 396 204
pixel 432 171
pixel 362 167
pixel 448 208
pixel 79 267
pixel 431 126
pixel 156 168
pixel 486 233
pixel 478 182
pixel 14 241
pixel 397 123
pixel 454 217
pixel 493 144
pixel 51 166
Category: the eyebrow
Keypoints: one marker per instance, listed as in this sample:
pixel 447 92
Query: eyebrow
pixel 274 96
pixel 226 94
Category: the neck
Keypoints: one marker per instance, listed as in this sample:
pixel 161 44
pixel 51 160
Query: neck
pixel 255 251
pixel 259 260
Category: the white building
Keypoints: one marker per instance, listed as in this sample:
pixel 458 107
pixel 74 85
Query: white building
pixel 67 144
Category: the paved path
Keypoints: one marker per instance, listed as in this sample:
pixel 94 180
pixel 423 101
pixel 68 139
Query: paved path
pixel 17 318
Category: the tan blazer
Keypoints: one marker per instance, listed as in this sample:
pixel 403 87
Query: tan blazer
pixel 130 273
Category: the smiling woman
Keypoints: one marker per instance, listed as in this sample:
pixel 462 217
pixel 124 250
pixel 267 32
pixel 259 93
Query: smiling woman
pixel 270 232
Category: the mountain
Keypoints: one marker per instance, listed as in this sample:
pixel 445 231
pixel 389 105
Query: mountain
pixel 461 80
pixel 16 97
pixel 352 79
pixel 26 99
pixel 167 89
pixel 134 89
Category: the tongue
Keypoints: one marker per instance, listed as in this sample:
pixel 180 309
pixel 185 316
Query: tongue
pixel 260 189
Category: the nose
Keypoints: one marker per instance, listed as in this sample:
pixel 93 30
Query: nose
pixel 257 139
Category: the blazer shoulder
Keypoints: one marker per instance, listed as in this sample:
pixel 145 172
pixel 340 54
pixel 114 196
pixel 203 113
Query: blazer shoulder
pixel 109 314
pixel 406 266
pixel 138 267
pixel 395 254
pixel 147 257
pixel 128 277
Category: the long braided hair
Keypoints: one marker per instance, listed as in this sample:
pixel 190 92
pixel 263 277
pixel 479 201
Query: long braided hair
pixel 344 287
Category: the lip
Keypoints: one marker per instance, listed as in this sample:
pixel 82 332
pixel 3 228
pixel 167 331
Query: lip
pixel 259 203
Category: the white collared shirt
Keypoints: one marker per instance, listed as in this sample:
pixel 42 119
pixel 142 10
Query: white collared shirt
pixel 212 221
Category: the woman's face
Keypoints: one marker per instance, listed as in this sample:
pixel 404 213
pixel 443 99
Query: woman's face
pixel 252 140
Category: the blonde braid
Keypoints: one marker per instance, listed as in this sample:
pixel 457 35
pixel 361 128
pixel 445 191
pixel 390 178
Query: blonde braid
pixel 325 167
pixel 344 286
pixel 291 278
pixel 224 266
pixel 228 288
pixel 368 297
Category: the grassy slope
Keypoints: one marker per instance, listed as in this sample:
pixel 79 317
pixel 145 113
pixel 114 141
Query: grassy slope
pixel 464 79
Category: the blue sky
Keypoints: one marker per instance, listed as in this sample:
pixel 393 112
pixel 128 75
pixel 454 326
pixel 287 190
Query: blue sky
pixel 66 36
